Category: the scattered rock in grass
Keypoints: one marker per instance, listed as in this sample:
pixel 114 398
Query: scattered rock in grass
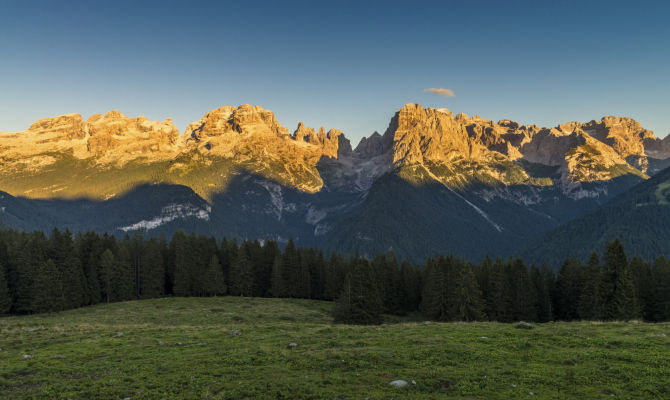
pixel 531 393
pixel 663 334
pixel 196 344
pixel 27 356
pixel 60 356
pixel 399 383
pixel 160 343
pixel 524 325
pixel 120 334
pixel 235 332
pixel 413 382
pixel 30 329
pixel 178 343
pixel 484 338
pixel 292 345
pixel 513 385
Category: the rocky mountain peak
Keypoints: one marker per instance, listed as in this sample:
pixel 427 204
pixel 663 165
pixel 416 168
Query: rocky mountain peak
pixel 63 127
pixel 306 134
pixel 114 114
pixel 245 119
pixel 429 134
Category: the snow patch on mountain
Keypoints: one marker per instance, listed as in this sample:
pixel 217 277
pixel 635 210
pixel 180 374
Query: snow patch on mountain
pixel 170 213
pixel 314 215
pixel 276 197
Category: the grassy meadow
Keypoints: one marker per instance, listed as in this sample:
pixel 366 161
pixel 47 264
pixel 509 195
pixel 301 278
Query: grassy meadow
pixel 238 348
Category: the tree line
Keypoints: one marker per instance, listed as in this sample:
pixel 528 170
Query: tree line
pixel 47 273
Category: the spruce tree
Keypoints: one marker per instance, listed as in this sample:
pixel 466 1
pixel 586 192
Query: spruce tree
pixel 588 304
pixel 435 299
pixel 641 274
pixel 181 280
pixel 107 266
pixel 215 284
pixel 123 279
pixel 617 290
pixel 291 270
pixel 63 253
pixel 334 277
pixel 48 289
pixel 568 289
pixel 241 274
pixel 277 284
pixel 263 268
pixel 468 304
pixel 494 297
pixel 543 279
pixel 152 272
pixel 661 290
pixel 5 298
pixel 28 259
pixel 520 295
pixel 359 302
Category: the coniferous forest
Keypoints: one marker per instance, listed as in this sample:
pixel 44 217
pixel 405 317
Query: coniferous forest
pixel 46 273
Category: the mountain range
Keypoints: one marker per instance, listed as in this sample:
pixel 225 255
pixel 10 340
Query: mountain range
pixel 431 183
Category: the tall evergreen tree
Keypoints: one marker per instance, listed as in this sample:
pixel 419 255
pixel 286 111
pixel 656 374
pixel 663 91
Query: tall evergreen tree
pixel 641 274
pixel 291 270
pixel 468 304
pixel 29 257
pixel 410 292
pixel 519 293
pixel 543 279
pixel 179 254
pixel 588 304
pixel 359 302
pixel 661 290
pixel 5 298
pixel 215 284
pixel 62 252
pixel 278 285
pixel 617 290
pixel 123 278
pixel 334 277
pixel 241 274
pixel 495 289
pixel 107 266
pixel 152 272
pixel 568 289
pixel 48 289
pixel 435 299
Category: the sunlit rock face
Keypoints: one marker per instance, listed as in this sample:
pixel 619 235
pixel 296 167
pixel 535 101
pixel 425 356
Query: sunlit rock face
pixel 226 139
pixel 464 148
pixel 433 179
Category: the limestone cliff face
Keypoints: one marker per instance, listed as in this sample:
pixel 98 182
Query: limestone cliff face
pixel 432 142
pixel 110 140
pixel 658 148
pixel 115 138
pixel 430 134
pixel 625 135
pixel 252 137
pixel 225 139
pixel 456 150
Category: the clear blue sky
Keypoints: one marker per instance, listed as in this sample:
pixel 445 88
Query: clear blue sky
pixel 347 65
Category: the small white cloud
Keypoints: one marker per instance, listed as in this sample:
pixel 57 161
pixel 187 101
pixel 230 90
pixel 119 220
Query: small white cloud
pixel 441 92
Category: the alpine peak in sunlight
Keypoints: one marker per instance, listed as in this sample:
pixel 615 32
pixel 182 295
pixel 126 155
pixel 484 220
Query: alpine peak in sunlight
pixel 511 181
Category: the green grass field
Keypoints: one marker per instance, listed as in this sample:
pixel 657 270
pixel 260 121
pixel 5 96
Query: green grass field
pixel 185 348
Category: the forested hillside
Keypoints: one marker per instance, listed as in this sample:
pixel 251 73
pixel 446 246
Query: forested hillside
pixel 50 273
pixel 639 217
